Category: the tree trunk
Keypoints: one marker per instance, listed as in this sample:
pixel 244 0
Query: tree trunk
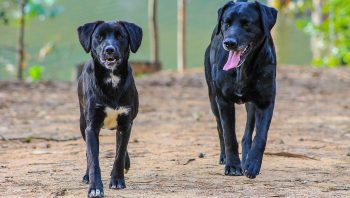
pixel 153 29
pixel 181 36
pixel 317 19
pixel 20 47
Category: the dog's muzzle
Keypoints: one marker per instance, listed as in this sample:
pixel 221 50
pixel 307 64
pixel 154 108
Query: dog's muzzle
pixel 237 54
pixel 110 57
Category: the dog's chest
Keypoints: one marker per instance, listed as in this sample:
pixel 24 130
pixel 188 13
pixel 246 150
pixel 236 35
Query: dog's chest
pixel 112 79
pixel 111 119
pixel 232 86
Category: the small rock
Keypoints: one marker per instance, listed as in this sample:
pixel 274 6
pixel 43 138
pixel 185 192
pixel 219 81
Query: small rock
pixel 61 192
pixel 136 140
pixel 40 152
pixel 196 116
pixel 348 154
pixel 109 155
pixel 201 155
pixel 28 140
pixel 188 161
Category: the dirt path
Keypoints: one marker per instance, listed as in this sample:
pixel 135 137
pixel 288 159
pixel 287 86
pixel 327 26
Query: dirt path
pixel 307 153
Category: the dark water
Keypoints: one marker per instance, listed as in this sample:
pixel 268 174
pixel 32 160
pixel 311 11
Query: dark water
pixel 292 45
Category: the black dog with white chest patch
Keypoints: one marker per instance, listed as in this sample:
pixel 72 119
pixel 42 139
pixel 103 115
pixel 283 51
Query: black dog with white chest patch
pixel 107 96
pixel 240 67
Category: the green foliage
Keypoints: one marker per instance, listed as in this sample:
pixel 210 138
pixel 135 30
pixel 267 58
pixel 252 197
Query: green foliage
pixel 35 73
pixel 6 7
pixel 42 9
pixel 333 33
pixel 3 17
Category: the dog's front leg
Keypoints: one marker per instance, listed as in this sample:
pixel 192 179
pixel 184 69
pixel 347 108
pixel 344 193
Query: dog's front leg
pixel 122 138
pixel 94 119
pixel 227 117
pixel 92 151
pixel 248 132
pixel 253 162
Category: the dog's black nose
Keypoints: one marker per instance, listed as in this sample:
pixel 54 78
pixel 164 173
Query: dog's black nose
pixel 230 43
pixel 109 50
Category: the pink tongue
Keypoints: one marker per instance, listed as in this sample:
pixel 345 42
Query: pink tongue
pixel 232 60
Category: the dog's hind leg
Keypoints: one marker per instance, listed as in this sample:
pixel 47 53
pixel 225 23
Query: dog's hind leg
pixel 248 132
pixel 82 124
pixel 227 117
pixel 222 159
pixel 127 162
pixel 82 130
pixel 215 110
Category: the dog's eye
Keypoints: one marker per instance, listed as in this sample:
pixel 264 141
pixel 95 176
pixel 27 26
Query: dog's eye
pixel 99 38
pixel 118 35
pixel 226 25
pixel 245 23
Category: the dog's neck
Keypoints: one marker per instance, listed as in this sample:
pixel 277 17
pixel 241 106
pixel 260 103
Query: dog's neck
pixel 107 77
pixel 110 85
pixel 110 80
pixel 246 71
pixel 252 62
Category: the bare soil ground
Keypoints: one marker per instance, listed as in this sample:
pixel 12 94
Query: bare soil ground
pixel 174 146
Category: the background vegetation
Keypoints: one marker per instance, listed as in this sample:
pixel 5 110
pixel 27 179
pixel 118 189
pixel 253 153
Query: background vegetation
pixel 327 21
pixel 52 50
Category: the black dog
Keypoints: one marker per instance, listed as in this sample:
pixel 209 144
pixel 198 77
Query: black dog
pixel 107 95
pixel 240 67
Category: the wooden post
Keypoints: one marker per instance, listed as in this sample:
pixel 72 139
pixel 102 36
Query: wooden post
pixel 153 29
pixel 181 36
pixel 20 47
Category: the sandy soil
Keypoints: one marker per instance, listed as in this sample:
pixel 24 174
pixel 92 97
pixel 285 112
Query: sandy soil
pixel 174 146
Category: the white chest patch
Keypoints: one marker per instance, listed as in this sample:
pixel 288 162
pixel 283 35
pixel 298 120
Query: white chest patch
pixel 110 121
pixel 113 79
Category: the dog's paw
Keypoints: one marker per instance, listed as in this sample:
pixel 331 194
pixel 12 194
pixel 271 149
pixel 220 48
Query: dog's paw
pixel 252 167
pixel 235 170
pixel 117 184
pixel 96 193
pixel 222 159
pixel 86 179
pixel 96 189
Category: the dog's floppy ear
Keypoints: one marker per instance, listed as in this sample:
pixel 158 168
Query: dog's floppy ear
pixel 85 32
pixel 268 17
pixel 220 13
pixel 135 35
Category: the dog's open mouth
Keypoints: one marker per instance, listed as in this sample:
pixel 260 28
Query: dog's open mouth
pixel 236 57
pixel 111 62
